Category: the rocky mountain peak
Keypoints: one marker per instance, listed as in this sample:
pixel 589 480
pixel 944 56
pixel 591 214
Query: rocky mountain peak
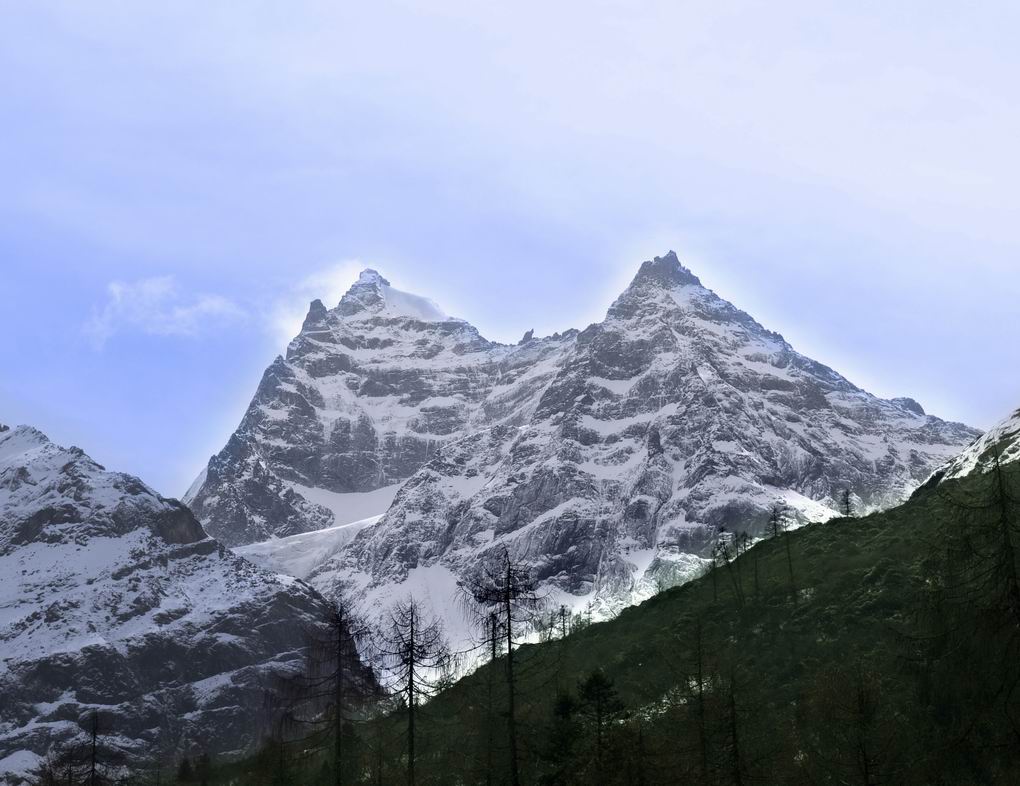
pixel 19 440
pixel 366 294
pixel 910 405
pixel 608 459
pixel 666 271
pixel 316 317
pixel 372 295
pixel 372 277
pixel 50 493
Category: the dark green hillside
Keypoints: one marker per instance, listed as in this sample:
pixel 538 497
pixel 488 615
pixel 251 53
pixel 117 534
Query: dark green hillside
pixel 892 658
pixel 880 669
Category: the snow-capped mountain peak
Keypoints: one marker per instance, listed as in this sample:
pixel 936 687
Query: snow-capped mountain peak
pixel 372 295
pixel 666 271
pixel 54 494
pixel 608 459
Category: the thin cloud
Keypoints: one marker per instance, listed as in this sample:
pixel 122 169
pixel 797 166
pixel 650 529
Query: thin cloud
pixel 157 307
pixel 327 285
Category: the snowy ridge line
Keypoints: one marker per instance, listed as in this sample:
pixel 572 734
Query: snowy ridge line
pixel 114 598
pixel 1002 441
pixel 607 460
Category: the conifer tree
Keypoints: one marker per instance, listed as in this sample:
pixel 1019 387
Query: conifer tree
pixel 598 700
pixel 508 589
pixel 314 704
pixel 778 528
pixel 559 750
pixel 416 653
pixel 973 606
pixel 846 503
pixel 726 554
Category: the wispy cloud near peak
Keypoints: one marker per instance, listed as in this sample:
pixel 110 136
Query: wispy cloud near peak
pixel 328 285
pixel 156 306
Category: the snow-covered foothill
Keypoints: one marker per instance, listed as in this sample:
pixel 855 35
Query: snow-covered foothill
pixel 114 600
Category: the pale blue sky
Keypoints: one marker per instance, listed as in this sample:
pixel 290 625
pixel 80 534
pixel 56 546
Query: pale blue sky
pixel 179 179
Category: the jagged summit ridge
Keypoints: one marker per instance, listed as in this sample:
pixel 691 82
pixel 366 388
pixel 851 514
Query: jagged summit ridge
pixel 50 494
pixel 372 277
pixel 364 396
pixel 665 271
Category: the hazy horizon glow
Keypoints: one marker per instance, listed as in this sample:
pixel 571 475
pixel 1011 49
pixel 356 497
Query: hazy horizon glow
pixel 181 181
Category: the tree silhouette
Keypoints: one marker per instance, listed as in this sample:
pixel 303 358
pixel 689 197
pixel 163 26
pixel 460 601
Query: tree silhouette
pixel 846 503
pixel 185 773
pixel 972 607
pixel 416 653
pixel 778 528
pixel 561 740
pixel 599 701
pixel 315 703
pixel 726 553
pixel 507 589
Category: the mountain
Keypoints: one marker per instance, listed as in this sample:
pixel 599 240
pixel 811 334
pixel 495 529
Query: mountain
pixel 841 682
pixel 607 459
pixel 114 600
pixel 1002 441
pixel 836 679
pixel 366 394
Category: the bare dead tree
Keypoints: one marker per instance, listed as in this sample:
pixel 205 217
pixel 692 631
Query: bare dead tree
pixel 757 583
pixel 415 651
pixel 316 703
pixel 778 527
pixel 699 695
pixel 726 553
pixel 507 589
pixel 856 728
pixel 494 640
pixel 713 572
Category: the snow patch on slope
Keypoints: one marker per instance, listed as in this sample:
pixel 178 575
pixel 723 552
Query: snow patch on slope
pixel 352 506
pixel 407 305
pixel 1004 438
pixel 299 555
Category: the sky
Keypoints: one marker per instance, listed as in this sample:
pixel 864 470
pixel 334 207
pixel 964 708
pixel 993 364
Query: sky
pixel 181 179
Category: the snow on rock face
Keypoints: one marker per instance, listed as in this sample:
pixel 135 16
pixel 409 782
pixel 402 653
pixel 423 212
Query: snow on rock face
pixel 112 598
pixel 47 491
pixel 303 554
pixel 367 393
pixel 607 459
pixel 675 417
pixel 1003 441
